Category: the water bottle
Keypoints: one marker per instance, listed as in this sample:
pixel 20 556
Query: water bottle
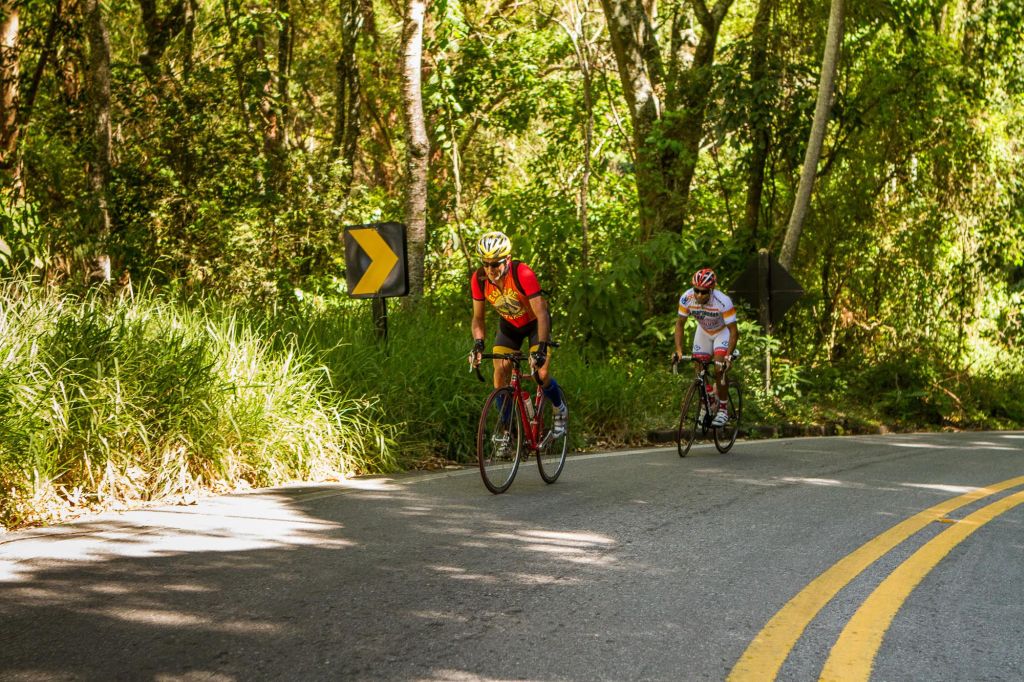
pixel 528 399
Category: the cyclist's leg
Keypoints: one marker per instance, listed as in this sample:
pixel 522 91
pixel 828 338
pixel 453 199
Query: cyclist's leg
pixel 703 347
pixel 552 390
pixel 721 349
pixel 507 340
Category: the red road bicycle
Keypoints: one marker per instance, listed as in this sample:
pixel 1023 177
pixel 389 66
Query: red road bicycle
pixel 513 425
pixel 700 404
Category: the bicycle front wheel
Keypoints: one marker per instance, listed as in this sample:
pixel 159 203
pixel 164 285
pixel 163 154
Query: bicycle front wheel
pixel 725 436
pixel 689 420
pixel 499 440
pixel 552 449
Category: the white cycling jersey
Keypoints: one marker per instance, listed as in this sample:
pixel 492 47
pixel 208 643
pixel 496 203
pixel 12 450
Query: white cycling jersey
pixel 712 316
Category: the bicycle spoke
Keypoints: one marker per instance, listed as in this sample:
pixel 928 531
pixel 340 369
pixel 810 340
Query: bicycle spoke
pixel 552 450
pixel 689 420
pixel 725 436
pixel 499 441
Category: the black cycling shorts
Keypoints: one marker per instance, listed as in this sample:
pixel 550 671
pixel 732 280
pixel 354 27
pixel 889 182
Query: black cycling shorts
pixel 509 338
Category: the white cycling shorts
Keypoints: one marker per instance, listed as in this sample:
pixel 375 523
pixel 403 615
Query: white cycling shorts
pixel 705 344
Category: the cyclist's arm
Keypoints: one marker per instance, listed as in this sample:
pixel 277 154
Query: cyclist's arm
pixel 734 336
pixel 540 308
pixel 479 330
pixel 680 325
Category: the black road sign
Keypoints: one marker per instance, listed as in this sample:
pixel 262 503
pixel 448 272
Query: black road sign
pixel 375 260
pixel 765 279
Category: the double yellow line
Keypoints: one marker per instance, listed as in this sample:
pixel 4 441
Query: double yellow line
pixel 852 656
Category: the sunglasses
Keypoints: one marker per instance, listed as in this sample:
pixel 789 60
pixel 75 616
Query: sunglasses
pixel 702 292
pixel 492 265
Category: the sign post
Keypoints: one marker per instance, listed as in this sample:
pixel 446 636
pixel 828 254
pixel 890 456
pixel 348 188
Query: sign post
pixel 769 287
pixel 376 267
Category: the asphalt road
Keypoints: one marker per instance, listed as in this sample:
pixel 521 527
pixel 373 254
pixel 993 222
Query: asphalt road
pixel 897 557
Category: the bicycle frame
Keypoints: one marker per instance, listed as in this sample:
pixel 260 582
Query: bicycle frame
pixel 531 424
pixel 701 380
pixel 690 422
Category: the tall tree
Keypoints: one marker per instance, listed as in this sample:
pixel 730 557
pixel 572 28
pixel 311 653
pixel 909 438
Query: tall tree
pixel 667 131
pixel 160 31
pixel 347 90
pixel 98 94
pixel 585 49
pixel 760 115
pixel 829 64
pixel 10 21
pixel 417 144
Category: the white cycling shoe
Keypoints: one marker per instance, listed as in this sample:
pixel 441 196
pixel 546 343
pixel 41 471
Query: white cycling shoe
pixel 560 421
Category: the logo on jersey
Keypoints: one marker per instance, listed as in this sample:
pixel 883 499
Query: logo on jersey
pixel 506 302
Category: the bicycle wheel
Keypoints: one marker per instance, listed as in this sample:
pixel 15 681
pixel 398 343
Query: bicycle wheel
pixel 552 450
pixel 499 440
pixel 725 436
pixel 689 420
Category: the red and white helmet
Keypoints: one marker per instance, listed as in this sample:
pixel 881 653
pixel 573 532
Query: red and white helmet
pixel 704 279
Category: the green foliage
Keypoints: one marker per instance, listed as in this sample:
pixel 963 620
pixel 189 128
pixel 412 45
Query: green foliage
pixel 226 181
pixel 107 401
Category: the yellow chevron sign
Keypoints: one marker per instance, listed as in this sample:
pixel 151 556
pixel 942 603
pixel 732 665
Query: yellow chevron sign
pixel 375 260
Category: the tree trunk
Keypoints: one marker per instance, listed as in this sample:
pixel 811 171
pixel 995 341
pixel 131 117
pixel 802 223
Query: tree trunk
pixel 689 95
pixel 99 265
pixel 760 117
pixel 348 92
pixel 576 30
pixel 273 102
pixel 667 134
pixel 833 43
pixel 9 75
pixel 632 42
pixel 159 32
pixel 588 143
pixel 417 144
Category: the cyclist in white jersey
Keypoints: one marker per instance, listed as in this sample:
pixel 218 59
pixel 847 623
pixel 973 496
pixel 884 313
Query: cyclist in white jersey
pixel 716 333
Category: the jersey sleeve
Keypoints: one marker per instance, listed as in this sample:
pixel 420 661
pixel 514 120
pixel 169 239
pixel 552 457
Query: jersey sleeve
pixel 728 310
pixel 684 307
pixel 474 287
pixel 528 280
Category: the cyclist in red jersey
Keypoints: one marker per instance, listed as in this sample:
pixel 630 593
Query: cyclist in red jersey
pixel 511 287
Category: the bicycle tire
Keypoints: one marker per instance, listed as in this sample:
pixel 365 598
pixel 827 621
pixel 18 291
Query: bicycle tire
pixel 499 440
pixel 552 451
pixel 725 436
pixel 689 420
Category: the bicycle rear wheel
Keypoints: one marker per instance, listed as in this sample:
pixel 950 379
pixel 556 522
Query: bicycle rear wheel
pixel 689 420
pixel 499 440
pixel 552 450
pixel 725 436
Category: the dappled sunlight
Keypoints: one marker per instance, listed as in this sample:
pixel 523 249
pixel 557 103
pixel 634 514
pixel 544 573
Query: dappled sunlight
pixel 230 524
pixel 941 487
pixel 579 548
pixel 447 616
pixel 993 446
pixel 926 446
pixel 819 481
pixel 177 619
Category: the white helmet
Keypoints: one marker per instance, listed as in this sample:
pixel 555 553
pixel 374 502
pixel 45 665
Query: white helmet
pixel 494 245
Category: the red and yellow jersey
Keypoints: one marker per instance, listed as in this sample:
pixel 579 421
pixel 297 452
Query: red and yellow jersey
pixel 511 303
pixel 711 316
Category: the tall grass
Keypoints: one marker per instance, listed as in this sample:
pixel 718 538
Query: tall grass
pixel 105 402
pixel 111 401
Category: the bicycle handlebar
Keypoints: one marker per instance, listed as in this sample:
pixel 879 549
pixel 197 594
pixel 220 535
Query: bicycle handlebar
pixel 687 358
pixel 516 357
